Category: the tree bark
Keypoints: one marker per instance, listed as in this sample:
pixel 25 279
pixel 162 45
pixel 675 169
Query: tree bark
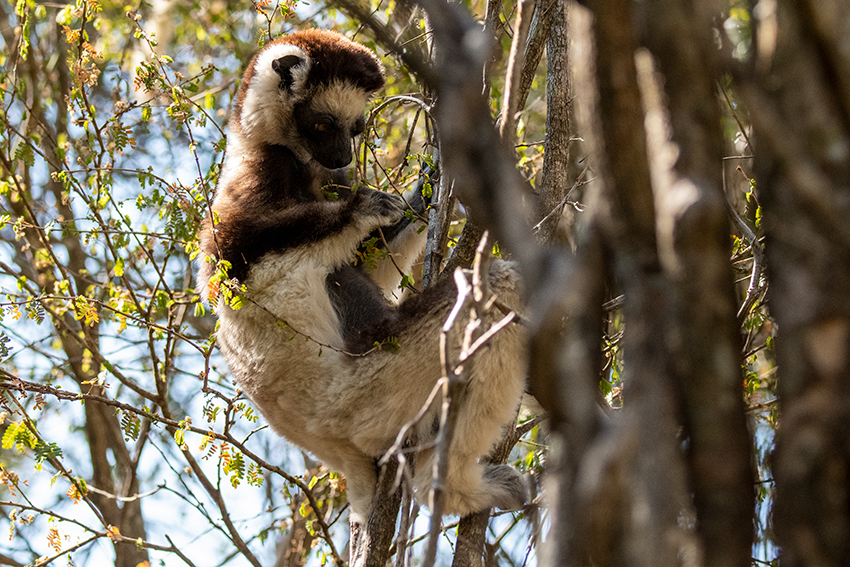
pixel 799 102
pixel 635 503
pixel 695 246
pixel 556 149
pixel 371 544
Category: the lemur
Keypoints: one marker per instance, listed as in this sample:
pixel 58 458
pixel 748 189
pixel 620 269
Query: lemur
pixel 287 221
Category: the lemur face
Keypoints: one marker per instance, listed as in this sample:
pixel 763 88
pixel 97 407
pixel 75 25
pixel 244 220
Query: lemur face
pixel 328 121
pixel 308 92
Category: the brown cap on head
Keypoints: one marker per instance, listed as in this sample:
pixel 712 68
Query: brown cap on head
pixel 335 58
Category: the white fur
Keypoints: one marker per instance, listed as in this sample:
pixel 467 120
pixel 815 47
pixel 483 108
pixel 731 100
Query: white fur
pixel 403 252
pixel 343 100
pixel 267 110
pixel 348 411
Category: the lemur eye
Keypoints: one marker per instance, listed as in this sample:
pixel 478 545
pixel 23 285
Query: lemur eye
pixel 321 127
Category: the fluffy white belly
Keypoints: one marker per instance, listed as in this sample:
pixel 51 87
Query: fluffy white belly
pixel 281 345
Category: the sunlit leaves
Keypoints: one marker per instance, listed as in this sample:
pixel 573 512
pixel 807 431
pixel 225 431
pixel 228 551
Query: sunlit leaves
pixel 19 436
pixel 86 310
pixel 233 465
pixel 35 310
pixel 24 153
pixel 114 149
pixel 371 252
pixel 738 27
pixel 45 451
pixel 254 476
pixel 246 411
pixel 22 10
pixel 131 425
pixel 121 137
pixel 4 346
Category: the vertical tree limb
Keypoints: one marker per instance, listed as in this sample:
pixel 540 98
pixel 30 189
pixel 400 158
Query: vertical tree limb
pixel 556 149
pixel 513 75
pixel 635 491
pixel 464 252
pixel 564 369
pixel 541 22
pixel 799 111
pixel 695 244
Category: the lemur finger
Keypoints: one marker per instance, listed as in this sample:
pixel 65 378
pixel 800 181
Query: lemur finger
pixel 387 206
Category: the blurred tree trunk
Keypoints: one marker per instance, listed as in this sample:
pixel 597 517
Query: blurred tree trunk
pixel 705 334
pixel 798 95
pixel 635 502
pixel 669 245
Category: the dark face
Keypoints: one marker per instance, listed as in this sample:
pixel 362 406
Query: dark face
pixel 328 139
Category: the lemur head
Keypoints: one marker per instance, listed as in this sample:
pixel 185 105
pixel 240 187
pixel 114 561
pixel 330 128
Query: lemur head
pixel 307 91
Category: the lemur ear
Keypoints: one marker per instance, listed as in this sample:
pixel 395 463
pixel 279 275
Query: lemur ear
pixel 283 67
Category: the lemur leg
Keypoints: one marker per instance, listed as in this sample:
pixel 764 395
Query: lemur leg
pixel 494 389
pixel 471 486
pixel 396 386
pixel 360 480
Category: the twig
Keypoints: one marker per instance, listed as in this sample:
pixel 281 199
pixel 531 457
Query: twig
pixel 122 498
pixel 510 102
pixel 396 447
pixel 734 112
pixel 17 385
pixel 47 513
pixel 758 256
pixel 557 208
pixel 524 428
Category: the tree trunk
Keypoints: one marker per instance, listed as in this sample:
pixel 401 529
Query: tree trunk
pixel 695 248
pixel 800 105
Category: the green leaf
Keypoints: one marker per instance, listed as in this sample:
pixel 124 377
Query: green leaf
pixel 4 345
pixel 18 435
pixel 45 451
pixel 237 302
pixel 9 436
pixel 24 153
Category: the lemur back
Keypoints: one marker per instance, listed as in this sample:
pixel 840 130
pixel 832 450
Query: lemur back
pixel 287 223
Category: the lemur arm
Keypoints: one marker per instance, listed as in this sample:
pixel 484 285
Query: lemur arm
pixel 246 234
pixel 402 241
pixel 417 202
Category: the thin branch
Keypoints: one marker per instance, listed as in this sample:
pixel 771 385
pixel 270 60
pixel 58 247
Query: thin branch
pixel 510 102
pixel 758 256
pixel 18 385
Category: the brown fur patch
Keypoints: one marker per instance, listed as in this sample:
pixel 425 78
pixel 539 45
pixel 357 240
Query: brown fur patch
pixel 336 58
pixel 270 209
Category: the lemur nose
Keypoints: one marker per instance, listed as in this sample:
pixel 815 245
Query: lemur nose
pixel 341 159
